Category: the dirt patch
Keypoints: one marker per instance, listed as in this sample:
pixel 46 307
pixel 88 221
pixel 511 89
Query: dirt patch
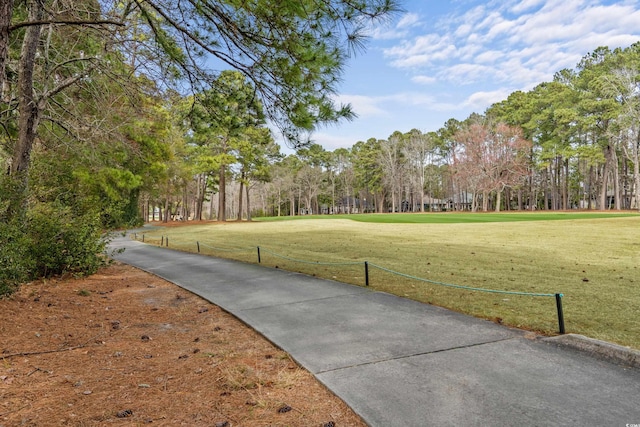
pixel 125 347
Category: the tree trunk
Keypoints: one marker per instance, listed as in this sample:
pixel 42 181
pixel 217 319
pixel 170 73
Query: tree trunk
pixel 167 211
pixel 605 178
pixel 197 207
pixel 520 200
pixel 590 188
pixel 211 205
pixel 616 180
pixel 240 197
pixel 393 200
pixel 28 112
pixel 554 187
pixel 636 170
pixel 565 196
pixel 248 204
pixel 348 201
pixel 6 10
pixel 333 199
pixel 379 201
pixel 199 203
pixel 222 205
pixel 27 104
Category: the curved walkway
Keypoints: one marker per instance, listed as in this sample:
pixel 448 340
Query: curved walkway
pixel 398 362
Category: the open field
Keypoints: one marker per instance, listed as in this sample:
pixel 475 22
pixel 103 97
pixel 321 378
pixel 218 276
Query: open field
pixel 457 217
pixel 593 260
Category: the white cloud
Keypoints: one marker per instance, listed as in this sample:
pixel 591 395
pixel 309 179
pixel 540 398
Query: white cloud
pixel 466 60
pixel 465 73
pixel 367 107
pixel 408 20
pixel 423 80
pixel 525 5
pixel 489 56
pixel 400 30
pixel 463 30
pixel 423 50
pixel 516 42
pixel 363 106
pixel 481 100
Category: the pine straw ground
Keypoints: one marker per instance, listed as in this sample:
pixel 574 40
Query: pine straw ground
pixel 126 348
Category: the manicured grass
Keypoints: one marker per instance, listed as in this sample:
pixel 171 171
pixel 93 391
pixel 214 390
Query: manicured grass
pixel 593 261
pixel 457 218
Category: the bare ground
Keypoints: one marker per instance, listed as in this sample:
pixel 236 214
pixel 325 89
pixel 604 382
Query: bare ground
pixel 127 348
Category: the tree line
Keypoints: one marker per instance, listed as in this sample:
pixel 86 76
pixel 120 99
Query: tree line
pixel 95 97
pixel 571 143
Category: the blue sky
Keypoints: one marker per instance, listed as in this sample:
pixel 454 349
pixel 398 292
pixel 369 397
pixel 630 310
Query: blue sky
pixel 447 59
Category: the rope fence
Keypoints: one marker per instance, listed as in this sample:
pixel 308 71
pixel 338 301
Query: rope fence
pixel 215 248
pixel 164 241
pixel 308 262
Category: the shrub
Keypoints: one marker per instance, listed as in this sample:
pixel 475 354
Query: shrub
pixel 53 240
pixel 63 241
pixel 15 261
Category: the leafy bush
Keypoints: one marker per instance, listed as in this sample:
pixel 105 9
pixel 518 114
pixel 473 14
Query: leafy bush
pixel 15 261
pixel 63 241
pixel 53 240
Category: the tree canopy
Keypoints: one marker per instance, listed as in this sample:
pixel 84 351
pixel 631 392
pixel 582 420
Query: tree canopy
pixel 86 87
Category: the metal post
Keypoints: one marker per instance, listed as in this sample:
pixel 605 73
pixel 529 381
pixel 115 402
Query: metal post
pixel 198 243
pixel 560 314
pixel 366 273
pixel 258 254
pixel 135 236
pixel 143 238
pixel 167 241
pixel 162 241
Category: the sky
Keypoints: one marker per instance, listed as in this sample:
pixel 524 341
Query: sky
pixel 447 59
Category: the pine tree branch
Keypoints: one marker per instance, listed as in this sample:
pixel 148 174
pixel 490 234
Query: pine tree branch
pixel 65 22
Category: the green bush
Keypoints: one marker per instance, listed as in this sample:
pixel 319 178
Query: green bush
pixel 15 261
pixel 63 241
pixel 53 240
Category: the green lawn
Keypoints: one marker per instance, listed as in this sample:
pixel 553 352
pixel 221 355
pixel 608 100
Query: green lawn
pixel 457 218
pixel 593 259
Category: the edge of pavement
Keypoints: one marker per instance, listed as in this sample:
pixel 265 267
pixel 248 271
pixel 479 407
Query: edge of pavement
pixel 601 349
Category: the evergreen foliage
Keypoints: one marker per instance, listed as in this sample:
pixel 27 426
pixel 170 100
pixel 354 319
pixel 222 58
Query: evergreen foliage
pixel 52 239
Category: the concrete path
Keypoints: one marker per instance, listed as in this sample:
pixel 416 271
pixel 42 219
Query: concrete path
pixel 398 362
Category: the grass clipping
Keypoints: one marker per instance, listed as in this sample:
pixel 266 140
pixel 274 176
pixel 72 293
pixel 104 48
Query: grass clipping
pixel 125 346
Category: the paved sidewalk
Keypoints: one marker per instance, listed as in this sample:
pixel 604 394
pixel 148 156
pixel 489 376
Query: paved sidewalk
pixel 398 362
